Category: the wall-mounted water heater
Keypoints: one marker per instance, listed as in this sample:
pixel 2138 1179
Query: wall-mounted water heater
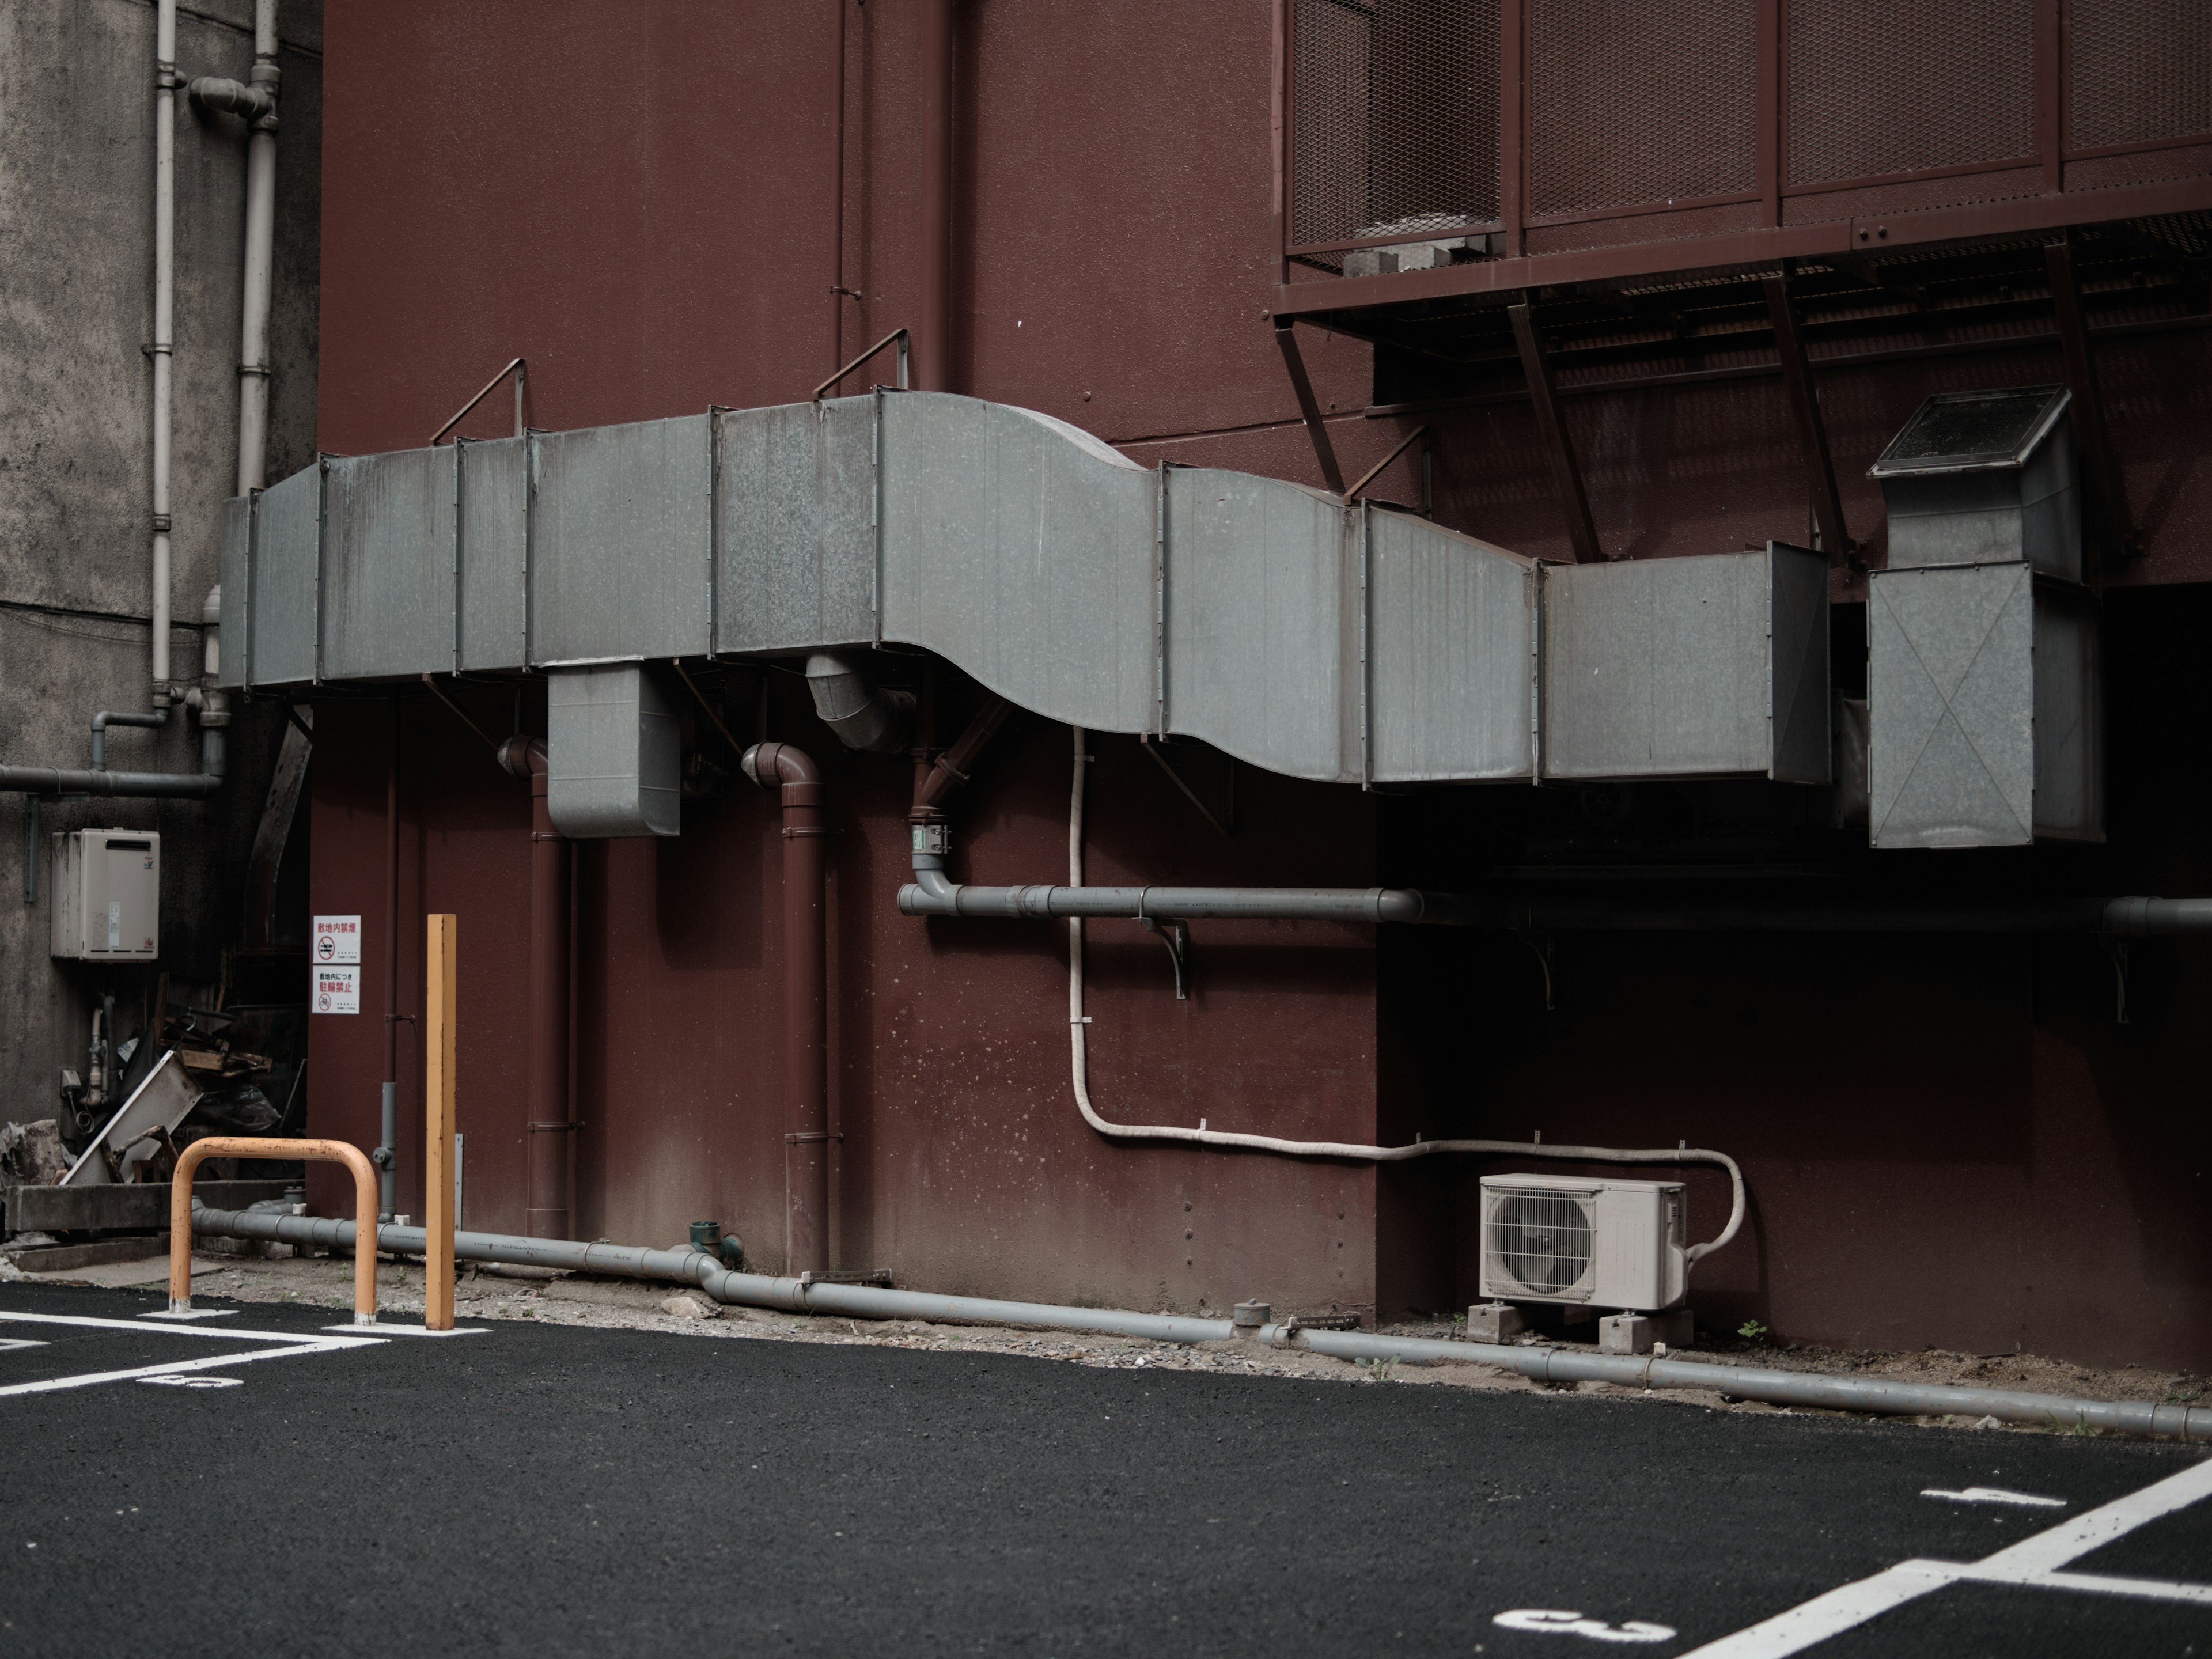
pixel 108 896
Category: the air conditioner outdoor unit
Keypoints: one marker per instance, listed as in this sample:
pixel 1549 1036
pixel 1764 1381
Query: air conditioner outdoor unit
pixel 1566 1238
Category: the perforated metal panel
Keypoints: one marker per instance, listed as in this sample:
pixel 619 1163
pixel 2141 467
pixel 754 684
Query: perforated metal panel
pixel 2142 71
pixel 1876 88
pixel 1393 118
pixel 1631 103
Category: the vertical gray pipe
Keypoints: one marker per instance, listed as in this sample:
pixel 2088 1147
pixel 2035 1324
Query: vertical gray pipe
pixel 388 1180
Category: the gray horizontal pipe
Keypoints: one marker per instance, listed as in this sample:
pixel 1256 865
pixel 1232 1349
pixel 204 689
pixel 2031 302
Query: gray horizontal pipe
pixel 51 780
pixel 1542 1364
pixel 931 895
pixel 2134 916
pixel 1847 1394
pixel 54 781
pixel 1172 903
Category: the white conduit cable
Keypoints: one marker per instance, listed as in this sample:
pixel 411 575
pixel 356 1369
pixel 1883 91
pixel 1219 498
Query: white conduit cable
pixel 1080 1056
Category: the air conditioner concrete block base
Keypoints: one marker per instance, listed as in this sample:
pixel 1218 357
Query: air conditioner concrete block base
pixel 1494 1321
pixel 1634 1333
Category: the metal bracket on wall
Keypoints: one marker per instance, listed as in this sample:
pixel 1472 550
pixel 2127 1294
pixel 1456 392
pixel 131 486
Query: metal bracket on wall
pixel 1224 822
pixel 1308 406
pixel 1420 433
pixel 1540 944
pixel 30 850
pixel 905 352
pixel 1559 451
pixel 520 368
pixel 1176 935
pixel 2116 949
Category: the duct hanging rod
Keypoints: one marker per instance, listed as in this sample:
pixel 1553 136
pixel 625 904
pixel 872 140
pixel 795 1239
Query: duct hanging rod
pixel 521 369
pixel 904 353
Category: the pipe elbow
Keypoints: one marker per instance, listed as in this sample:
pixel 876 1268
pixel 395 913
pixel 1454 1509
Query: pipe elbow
pixel 769 764
pixel 862 713
pixel 525 757
pixel 214 94
pixel 930 893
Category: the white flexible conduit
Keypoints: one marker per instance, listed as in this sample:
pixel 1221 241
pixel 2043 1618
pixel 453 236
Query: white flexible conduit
pixel 1079 1060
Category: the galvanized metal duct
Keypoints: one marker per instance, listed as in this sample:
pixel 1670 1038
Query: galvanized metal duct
pixel 1314 638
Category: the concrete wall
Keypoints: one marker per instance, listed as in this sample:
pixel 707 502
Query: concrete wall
pixel 76 210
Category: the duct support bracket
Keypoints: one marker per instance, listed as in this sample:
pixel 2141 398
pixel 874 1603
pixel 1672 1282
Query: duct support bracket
pixel 1551 427
pixel 2117 539
pixel 1834 539
pixel 1309 405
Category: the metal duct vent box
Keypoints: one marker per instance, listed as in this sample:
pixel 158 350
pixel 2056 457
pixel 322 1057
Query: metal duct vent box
pixel 613 751
pixel 1714 665
pixel 1984 477
pixel 1984 708
pixel 1566 1238
pixel 108 896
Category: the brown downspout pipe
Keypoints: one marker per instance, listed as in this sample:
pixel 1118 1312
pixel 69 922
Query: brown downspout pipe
pixel 805 1013
pixel 546 1196
pixel 386 1155
pixel 933 784
pixel 932 340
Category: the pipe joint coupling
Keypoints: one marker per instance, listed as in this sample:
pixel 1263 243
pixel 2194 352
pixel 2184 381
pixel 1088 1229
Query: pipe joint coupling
pixel 382 1156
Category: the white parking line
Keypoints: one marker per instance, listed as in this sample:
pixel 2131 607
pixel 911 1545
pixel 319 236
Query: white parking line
pixel 227 1335
pixel 2034 1563
pixel 1994 1495
pixel 281 1344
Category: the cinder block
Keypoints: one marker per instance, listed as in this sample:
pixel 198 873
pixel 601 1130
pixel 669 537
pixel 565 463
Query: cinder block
pixel 1632 1333
pixel 1494 1321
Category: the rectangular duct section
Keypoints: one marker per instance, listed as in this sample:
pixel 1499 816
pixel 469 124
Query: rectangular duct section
pixel 1714 665
pixel 614 750
pixel 1344 643
pixel 1983 694
pixel 1985 700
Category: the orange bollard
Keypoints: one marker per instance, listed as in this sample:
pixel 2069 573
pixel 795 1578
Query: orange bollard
pixel 437 1041
pixel 318 1151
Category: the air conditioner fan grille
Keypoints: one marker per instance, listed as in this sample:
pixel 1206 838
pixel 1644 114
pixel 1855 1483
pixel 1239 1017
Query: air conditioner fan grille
pixel 1541 1241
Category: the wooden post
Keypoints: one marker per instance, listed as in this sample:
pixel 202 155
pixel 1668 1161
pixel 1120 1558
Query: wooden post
pixel 438 1219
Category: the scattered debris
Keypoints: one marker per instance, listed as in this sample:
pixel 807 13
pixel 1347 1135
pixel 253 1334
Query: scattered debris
pixel 34 1153
pixel 691 1306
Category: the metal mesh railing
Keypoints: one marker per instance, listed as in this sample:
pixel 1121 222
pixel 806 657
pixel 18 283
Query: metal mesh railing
pixel 1631 103
pixel 1877 88
pixel 2142 72
pixel 1393 120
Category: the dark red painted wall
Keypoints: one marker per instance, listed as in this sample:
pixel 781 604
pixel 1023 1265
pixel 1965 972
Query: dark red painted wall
pixel 1946 1145
pixel 963 1164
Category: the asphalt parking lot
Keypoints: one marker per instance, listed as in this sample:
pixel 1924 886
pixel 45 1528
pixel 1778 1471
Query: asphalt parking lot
pixel 258 1483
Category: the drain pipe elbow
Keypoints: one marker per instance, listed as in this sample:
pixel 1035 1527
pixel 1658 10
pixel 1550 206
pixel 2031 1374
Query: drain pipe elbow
pixel 931 892
pixel 769 764
pixel 107 717
pixel 524 758
pixel 215 94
